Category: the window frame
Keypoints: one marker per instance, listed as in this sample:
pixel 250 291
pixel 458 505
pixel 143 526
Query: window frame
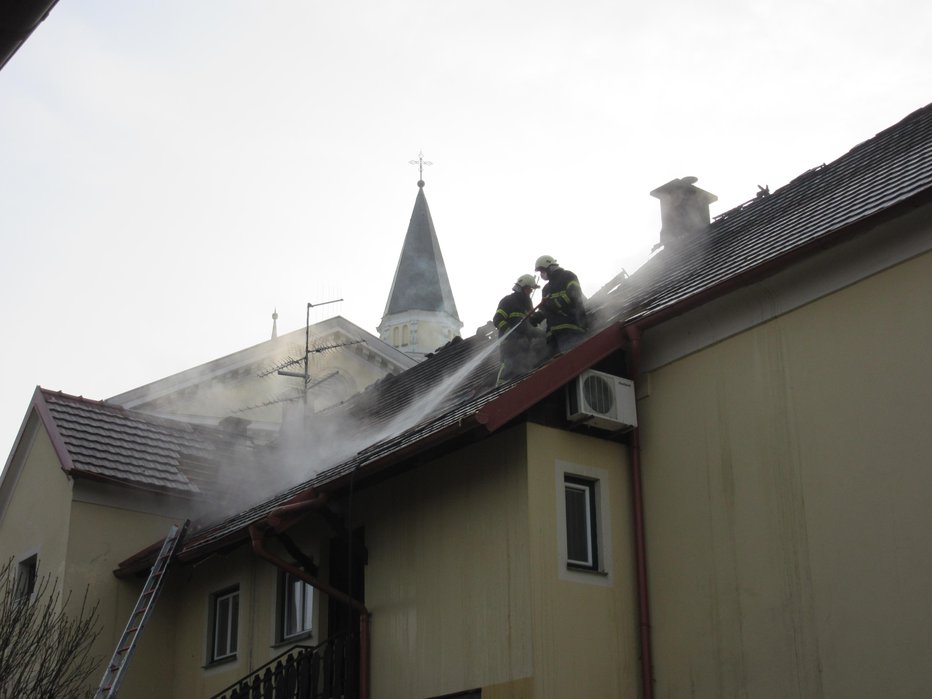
pixel 232 595
pixel 589 489
pixel 286 586
pixel 27 574
pixel 601 479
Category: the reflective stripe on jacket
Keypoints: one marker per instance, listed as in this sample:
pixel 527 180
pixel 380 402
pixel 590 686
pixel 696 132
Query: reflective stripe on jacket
pixel 564 305
pixel 512 309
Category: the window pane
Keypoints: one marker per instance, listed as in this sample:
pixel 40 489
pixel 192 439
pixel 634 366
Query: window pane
pixel 297 606
pixel 577 525
pixel 221 627
pixel 26 577
pixel 234 624
pixel 308 607
pixel 226 625
pixel 292 613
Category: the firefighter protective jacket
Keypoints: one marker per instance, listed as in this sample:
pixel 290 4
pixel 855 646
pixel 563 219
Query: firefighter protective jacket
pixel 512 310
pixel 564 305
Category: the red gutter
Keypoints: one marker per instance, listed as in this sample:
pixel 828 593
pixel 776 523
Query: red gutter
pixel 285 516
pixel 640 545
pixel 257 535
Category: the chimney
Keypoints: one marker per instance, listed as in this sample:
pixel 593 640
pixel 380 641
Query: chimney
pixel 684 210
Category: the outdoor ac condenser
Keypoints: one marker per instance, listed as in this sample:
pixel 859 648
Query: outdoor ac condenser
pixel 602 400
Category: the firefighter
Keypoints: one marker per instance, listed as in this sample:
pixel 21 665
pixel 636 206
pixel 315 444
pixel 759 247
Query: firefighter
pixel 563 306
pixel 518 338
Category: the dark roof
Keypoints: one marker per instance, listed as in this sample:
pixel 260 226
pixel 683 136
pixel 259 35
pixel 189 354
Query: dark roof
pixel 104 442
pixel 473 407
pixel 824 206
pixel 18 19
pixel 421 282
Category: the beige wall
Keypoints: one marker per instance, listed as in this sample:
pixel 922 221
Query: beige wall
pixel 38 504
pixel 100 537
pixel 447 581
pixel 78 542
pixel 180 639
pixel 584 623
pixel 466 584
pixel 787 494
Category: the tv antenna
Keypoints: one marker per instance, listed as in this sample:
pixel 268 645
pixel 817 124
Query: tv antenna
pixel 305 375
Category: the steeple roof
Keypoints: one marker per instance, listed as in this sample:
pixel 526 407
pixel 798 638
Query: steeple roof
pixel 421 282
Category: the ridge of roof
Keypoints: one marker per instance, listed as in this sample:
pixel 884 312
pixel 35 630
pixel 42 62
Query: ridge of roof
pixel 822 206
pixel 258 353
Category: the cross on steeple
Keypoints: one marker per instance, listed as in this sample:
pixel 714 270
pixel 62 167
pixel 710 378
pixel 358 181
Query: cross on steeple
pixel 420 162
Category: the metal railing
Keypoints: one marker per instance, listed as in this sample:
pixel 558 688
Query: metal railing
pixel 326 671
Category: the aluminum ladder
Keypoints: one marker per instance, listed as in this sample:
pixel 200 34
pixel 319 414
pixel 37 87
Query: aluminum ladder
pixel 116 668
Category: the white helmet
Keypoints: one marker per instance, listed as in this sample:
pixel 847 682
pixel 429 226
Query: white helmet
pixel 544 262
pixel 526 280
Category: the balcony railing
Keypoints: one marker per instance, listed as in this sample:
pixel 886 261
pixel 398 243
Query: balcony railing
pixel 327 671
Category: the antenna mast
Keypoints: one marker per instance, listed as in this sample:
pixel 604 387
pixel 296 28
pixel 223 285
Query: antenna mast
pixel 307 349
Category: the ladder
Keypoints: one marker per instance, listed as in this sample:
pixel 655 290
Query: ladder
pixel 150 592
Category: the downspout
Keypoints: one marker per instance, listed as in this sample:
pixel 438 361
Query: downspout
pixel 257 536
pixel 640 546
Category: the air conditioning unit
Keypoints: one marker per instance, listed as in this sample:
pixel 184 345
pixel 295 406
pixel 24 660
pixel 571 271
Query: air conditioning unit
pixel 602 400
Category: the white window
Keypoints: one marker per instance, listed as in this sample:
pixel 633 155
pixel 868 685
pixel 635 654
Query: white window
pixel 296 601
pixel 224 624
pixel 26 572
pixel 582 545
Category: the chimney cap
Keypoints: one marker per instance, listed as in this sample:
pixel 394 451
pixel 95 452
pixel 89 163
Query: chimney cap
pixel 681 185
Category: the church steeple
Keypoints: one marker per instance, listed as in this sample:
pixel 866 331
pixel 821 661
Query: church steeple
pixel 420 314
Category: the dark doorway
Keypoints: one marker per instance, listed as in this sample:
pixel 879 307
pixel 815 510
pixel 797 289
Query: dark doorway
pixel 348 559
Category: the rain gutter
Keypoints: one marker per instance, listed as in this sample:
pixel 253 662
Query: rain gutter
pixel 640 545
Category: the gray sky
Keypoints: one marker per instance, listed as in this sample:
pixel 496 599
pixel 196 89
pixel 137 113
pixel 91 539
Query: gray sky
pixel 173 171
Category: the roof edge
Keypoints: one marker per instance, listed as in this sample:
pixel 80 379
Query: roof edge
pixel 48 421
pixel 550 377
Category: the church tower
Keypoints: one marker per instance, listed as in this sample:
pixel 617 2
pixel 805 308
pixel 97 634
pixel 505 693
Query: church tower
pixel 420 314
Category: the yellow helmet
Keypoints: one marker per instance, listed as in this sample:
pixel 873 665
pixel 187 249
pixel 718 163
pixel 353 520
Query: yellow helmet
pixel 544 262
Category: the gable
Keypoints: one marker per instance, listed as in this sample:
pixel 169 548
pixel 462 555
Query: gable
pixel 343 360
pixel 35 499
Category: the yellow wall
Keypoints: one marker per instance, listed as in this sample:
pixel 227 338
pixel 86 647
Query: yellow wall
pixel 102 536
pixel 584 624
pixel 184 643
pixel 787 494
pixel 77 542
pixel 447 581
pixel 36 517
pixel 465 582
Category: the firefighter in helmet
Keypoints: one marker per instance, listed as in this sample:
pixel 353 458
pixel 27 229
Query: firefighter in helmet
pixel 563 305
pixel 517 337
